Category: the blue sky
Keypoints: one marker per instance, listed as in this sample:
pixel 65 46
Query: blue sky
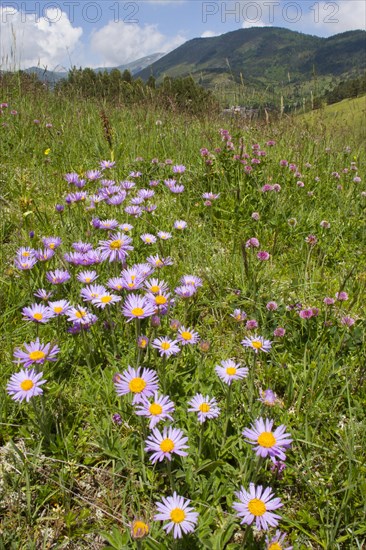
pixel 59 34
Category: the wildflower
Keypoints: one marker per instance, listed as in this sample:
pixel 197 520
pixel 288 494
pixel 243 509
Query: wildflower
pixel 59 208
pixel 137 307
pixel 325 224
pixel 187 336
pixel 347 321
pixel 117 419
pixel 116 248
pixel 252 243
pixel 238 315
pixel 268 443
pixel 166 346
pixel 342 296
pixel 142 342
pixel 177 189
pixel 306 313
pixel 204 406
pixel 134 211
pixel 300 184
pixel 185 291
pixel 278 467
pixel 276 542
pixel 38 313
pixel 36 353
pixel 93 175
pixel 257 343
pixel 328 301
pixel 255 216
pixel 105 299
pixel 272 306
pixel 61 307
pixel 311 239
pixel 279 332
pixel 51 242
pixel 263 255
pixel 87 277
pixel 126 227
pixel 81 316
pixel 229 371
pixel 139 529
pixel 164 444
pixel 180 516
pixel 91 292
pixel 45 295
pixel 160 301
pixel 155 321
pixel 257 505
pixel 156 287
pixel 251 324
pixel 146 194
pixel 191 280
pixel 159 409
pixel 268 397
pixel 25 385
pixel 131 279
pixel 57 277
pixel 267 187
pixel 105 164
pixel 204 346
pixel 180 224
pixel 164 235
pixel 140 383
pixel 159 262
pixel 179 169
pixel 211 196
pixel 175 324
pixel 25 264
pixel 147 238
pixel 44 255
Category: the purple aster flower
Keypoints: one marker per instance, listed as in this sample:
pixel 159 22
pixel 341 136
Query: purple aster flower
pixel 25 252
pixel 187 336
pixel 135 211
pixel 156 287
pixel 155 321
pixel 43 294
pixel 277 542
pixel 81 316
pixel 37 313
pixel 257 505
pixel 87 277
pixel 165 444
pixel 45 254
pixel 160 301
pixel 347 321
pixel 25 264
pixel 229 371
pixel 164 235
pixel 180 225
pixel 75 197
pixel 147 238
pixel 196 282
pixel 267 442
pixel 93 175
pixel 205 406
pixel 238 315
pixel 105 299
pixel 36 353
pixel 81 247
pixel 116 248
pixel 136 200
pixel 175 324
pixel 179 169
pixel 185 291
pixel 166 346
pixel 257 343
pixel 108 225
pixel 105 164
pixel 142 342
pixel 182 518
pixel 25 385
pixel 51 242
pixel 127 185
pixel 268 397
pixel 328 301
pixel 137 307
pixel 117 419
pixel 158 409
pixel 157 262
pixel 91 292
pixel 132 279
pixel 126 227
pixel 177 189
pixel 139 382
pixel 210 196
pixel 61 307
pixel 146 194
pixel 57 277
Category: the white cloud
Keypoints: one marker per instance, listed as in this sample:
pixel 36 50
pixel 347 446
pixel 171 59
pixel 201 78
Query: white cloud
pixel 117 42
pixel 249 24
pixel 209 34
pixel 330 18
pixel 28 40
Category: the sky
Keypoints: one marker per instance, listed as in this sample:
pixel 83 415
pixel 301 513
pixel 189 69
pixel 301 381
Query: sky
pixel 60 34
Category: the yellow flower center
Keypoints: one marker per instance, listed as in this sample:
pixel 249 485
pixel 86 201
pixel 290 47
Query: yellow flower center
pixel 147 240
pixel 130 285
pixel 80 314
pixel 275 546
pixel 186 335
pixel 26 385
pixel 87 279
pixel 52 245
pixel 257 507
pixel 115 245
pixel 26 254
pixel 204 407
pixel 139 529
pixel 155 288
pixel 160 300
pixel 36 355
pixel 177 515
pixel 137 385
pixel 137 311
pixel 38 316
pixel 106 299
pixel 238 317
pixel 167 445
pixel 94 295
pixel 266 439
pixel 231 371
pixel 57 309
pixel 155 409
pixel 257 344
pixel 158 263
pixel 165 345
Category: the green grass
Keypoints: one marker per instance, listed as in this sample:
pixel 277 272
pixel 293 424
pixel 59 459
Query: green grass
pixel 71 477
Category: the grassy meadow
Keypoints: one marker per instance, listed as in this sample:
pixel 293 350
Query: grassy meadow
pixel 267 275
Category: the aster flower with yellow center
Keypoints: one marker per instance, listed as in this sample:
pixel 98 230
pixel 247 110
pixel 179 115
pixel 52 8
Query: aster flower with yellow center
pixel 277 542
pixel 137 307
pixel 257 343
pixel 139 529
pixel 257 505
pixel 181 517
pixel 229 371
pixel 25 385
pixel 268 442
pixel 141 383
pixel 157 409
pixel 38 313
pixel 166 346
pixel 36 353
pixel 165 444
pixel 205 406
pixel 187 336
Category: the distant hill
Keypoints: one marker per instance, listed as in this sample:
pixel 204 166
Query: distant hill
pixel 134 67
pixel 263 56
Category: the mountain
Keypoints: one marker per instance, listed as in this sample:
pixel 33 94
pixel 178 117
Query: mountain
pixel 134 67
pixel 263 56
